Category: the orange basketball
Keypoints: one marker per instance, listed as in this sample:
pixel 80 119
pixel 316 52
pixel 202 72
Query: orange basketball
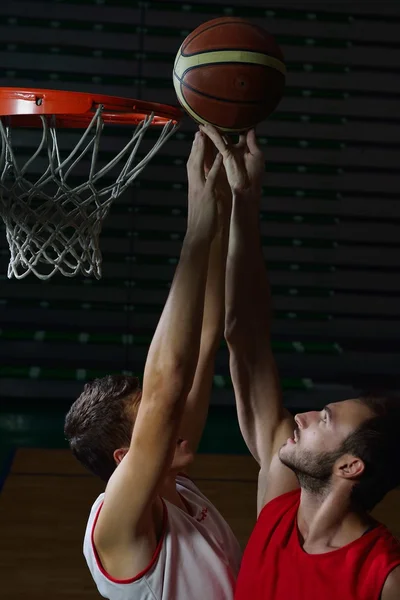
pixel 230 73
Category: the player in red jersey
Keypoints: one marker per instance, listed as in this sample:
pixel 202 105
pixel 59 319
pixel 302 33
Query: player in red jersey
pixel 321 472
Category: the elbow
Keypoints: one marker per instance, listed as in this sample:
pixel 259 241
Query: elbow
pixel 232 327
pixel 175 370
pixel 249 344
pixel 229 335
pixel 237 332
pixel 167 384
pixel 250 328
pixel 240 323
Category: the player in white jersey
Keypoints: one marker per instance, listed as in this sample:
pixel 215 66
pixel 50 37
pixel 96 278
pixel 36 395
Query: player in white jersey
pixel 153 535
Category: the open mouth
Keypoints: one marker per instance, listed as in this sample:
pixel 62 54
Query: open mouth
pixel 295 437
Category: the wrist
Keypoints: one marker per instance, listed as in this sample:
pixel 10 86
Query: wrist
pixel 252 195
pixel 246 214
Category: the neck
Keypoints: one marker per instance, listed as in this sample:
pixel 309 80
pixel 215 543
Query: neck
pixel 328 520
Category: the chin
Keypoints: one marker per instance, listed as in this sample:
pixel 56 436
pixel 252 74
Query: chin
pixel 183 458
pixel 285 453
pixel 187 458
pixel 182 463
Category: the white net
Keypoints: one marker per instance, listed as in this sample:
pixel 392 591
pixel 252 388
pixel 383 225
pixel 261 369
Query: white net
pixel 53 224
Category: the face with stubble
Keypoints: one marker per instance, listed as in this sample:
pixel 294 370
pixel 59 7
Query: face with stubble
pixel 315 447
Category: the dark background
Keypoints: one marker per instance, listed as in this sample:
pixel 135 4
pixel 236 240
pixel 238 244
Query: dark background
pixel 330 219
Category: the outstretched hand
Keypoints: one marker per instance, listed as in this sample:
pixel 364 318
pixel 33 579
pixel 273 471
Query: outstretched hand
pixel 222 188
pixel 243 162
pixel 202 186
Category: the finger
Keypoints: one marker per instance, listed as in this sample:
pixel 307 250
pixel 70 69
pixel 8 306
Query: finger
pixel 195 163
pixel 209 154
pixel 251 141
pixel 214 136
pixel 212 175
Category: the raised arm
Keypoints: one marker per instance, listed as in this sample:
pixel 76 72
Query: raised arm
pixel 197 404
pixel 264 422
pixel 129 521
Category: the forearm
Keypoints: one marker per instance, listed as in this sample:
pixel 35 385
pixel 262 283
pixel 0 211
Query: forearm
pixel 175 345
pixel 198 400
pixel 248 299
pixel 214 304
pixel 247 330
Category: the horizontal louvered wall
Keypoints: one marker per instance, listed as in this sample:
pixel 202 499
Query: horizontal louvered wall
pixel 330 210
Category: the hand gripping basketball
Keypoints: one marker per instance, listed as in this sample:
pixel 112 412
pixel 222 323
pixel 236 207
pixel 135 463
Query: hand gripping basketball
pixel 243 162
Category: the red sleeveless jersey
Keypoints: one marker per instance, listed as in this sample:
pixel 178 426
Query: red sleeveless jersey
pixel 275 567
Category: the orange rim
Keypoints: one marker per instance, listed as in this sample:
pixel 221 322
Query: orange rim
pixel 24 107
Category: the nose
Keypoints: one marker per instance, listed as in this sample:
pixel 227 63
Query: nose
pixel 303 420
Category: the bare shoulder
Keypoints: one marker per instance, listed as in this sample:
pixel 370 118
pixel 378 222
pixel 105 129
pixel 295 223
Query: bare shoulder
pixel 391 589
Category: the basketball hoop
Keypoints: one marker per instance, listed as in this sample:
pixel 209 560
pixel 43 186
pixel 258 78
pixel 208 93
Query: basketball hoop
pixel 52 223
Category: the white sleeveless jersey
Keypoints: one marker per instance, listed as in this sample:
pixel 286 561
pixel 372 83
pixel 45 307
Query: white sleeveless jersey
pixel 197 558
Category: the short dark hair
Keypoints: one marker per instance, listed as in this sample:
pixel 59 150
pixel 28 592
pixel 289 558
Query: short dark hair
pixel 376 443
pixel 101 421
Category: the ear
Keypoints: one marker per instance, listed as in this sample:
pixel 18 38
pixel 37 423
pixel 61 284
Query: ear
pixel 120 454
pixel 349 467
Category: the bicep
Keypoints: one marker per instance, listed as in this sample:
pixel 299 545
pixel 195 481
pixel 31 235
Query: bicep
pixel 265 423
pixel 262 418
pixel 132 489
pixel 274 481
pixel 391 588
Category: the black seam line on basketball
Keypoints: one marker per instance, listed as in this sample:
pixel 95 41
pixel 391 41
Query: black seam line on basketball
pixel 206 29
pixel 228 63
pixel 233 22
pixel 232 50
pixel 243 102
pixel 200 118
